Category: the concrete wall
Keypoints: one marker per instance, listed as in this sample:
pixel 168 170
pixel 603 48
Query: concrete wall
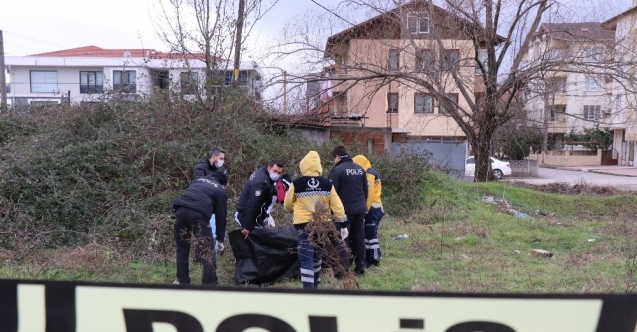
pixel 443 154
pixel 524 168
pixel 568 158
pixel 317 136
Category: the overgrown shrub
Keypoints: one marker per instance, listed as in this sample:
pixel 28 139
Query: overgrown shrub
pixel 402 176
pixel 105 173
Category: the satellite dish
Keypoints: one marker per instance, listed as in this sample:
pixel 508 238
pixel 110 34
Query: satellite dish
pixel 127 54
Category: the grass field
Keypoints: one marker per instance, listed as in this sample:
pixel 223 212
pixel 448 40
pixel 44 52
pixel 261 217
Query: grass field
pixel 458 243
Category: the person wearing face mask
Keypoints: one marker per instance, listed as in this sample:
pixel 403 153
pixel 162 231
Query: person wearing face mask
pixel 256 197
pixel 207 166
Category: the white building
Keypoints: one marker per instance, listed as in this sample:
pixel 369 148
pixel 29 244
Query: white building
pixel 575 90
pixel 624 125
pixel 87 73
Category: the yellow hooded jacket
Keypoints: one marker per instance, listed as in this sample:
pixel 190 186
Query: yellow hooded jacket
pixel 373 181
pixel 310 189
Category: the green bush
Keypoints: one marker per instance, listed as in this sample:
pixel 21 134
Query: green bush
pixel 107 172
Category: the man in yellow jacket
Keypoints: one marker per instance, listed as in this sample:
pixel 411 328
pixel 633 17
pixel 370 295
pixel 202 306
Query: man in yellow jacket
pixel 375 211
pixel 303 195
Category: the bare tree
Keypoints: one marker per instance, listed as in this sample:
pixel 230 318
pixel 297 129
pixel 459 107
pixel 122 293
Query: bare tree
pixel 207 30
pixel 460 64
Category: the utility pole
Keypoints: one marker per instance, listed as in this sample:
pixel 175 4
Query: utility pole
pixel 285 92
pixel 3 78
pixel 237 45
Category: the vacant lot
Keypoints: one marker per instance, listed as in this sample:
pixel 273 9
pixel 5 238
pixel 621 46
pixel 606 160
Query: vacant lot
pixel 458 243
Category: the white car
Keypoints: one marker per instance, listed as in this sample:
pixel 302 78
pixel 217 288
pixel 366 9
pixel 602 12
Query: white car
pixel 500 168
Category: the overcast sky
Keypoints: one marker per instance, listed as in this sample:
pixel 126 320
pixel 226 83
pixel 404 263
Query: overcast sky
pixel 36 26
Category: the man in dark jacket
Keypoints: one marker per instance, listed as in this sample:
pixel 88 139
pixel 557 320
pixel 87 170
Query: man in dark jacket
pixel 207 166
pixel 350 182
pixel 203 197
pixel 256 196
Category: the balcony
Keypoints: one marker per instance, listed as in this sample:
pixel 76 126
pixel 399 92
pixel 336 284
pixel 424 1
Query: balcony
pixel 558 98
pixel 557 126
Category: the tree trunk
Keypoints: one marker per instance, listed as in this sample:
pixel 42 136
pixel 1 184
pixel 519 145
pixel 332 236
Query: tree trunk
pixel 482 150
pixel 237 48
pixel 209 82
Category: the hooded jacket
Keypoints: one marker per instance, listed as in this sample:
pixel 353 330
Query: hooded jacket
pixel 255 198
pixel 207 196
pixel 310 189
pixel 373 182
pixel 203 168
pixel 350 183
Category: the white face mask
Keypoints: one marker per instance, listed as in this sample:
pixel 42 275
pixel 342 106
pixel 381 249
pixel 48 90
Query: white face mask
pixel 274 176
pixel 219 163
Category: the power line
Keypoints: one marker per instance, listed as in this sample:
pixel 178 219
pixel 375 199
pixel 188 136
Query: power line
pixel 333 13
pixel 39 41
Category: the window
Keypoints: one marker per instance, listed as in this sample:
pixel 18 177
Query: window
pixel 449 59
pixel 393 63
pixel 556 85
pixel 591 83
pixel 557 112
pixel 482 58
pixel 423 103
pixel 43 102
pixel 91 82
pixel 594 54
pixel 618 102
pixel 470 161
pixel 125 81
pixel 189 82
pixel 418 23
pixel 392 103
pixel 243 77
pixel 425 60
pixel 452 98
pixel 44 81
pixel 592 112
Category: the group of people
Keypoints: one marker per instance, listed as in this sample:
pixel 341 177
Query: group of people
pixel 352 191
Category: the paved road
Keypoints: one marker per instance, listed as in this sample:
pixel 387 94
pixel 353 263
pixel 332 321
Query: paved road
pixel 550 175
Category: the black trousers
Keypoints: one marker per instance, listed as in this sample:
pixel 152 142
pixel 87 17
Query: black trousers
pixel 192 222
pixel 356 239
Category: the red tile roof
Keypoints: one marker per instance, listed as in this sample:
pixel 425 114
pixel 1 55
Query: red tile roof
pixel 94 51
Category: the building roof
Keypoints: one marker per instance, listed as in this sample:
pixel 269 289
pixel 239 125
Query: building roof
pixel 580 31
pixel 95 51
pixel 611 23
pixel 366 29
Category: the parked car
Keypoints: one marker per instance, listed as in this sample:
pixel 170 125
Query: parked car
pixel 500 168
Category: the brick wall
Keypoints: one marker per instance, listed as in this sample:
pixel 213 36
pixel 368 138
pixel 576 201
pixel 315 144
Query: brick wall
pixel 361 136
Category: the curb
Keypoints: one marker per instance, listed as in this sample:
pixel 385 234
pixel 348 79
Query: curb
pixel 605 173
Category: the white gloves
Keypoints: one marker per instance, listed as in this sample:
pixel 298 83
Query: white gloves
pixel 344 233
pixel 269 222
pixel 219 246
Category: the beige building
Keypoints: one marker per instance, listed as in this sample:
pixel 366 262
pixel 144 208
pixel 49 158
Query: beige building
pixel 574 92
pixel 624 125
pixel 390 72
